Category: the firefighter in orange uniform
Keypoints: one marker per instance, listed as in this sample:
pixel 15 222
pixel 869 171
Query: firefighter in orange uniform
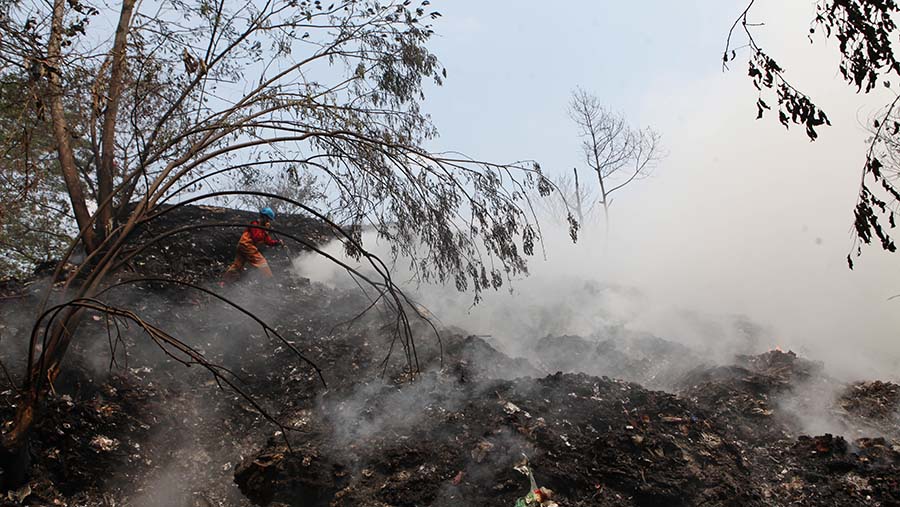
pixel 248 247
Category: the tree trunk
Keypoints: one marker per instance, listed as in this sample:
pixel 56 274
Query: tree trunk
pixel 606 219
pixel 60 126
pixel 604 200
pixel 106 167
pixel 578 197
pixel 14 454
pixel 15 458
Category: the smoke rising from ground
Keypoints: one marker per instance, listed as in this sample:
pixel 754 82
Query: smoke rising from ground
pixel 592 289
pixel 195 465
pixel 743 218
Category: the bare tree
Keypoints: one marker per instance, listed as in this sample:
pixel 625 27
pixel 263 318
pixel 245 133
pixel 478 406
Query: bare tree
pixel 617 153
pixel 185 94
pixel 571 197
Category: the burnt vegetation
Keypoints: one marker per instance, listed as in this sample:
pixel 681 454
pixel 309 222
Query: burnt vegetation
pixel 128 425
pixel 133 378
pixel 165 113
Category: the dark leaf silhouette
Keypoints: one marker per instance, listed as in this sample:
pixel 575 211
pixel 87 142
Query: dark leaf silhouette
pixel 865 31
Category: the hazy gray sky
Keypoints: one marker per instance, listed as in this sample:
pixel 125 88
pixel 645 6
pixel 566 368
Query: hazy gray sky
pixel 742 216
pixel 513 64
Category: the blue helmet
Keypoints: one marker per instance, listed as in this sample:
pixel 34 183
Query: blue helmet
pixel 267 212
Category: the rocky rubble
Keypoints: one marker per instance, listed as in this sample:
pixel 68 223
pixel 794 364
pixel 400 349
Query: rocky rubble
pixel 202 254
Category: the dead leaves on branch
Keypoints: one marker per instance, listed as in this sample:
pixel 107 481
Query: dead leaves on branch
pixel 865 31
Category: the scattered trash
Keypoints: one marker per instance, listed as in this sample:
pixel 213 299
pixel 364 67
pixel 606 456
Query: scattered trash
pixel 872 402
pixel 102 443
pixel 20 494
pixel 601 440
pixel 510 408
pixel 536 497
pixel 481 450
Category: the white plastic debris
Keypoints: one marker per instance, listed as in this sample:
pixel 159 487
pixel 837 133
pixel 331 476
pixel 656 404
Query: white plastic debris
pixel 102 443
pixel 20 494
pixel 510 408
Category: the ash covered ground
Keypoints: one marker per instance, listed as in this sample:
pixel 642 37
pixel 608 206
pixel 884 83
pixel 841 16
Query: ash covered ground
pixel 613 419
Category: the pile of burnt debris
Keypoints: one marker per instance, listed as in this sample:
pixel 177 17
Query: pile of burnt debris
pixel 451 439
pixel 472 427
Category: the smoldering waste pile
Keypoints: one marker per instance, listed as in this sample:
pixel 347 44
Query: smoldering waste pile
pixel 151 432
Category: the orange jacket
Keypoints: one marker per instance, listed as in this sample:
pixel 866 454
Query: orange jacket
pixel 257 235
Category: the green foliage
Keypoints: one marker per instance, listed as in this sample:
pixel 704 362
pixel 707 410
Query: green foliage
pixel 34 212
pixel 293 183
pixel 187 94
pixel 214 91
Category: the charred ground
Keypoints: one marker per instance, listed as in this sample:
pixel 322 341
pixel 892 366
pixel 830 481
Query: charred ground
pixel 143 430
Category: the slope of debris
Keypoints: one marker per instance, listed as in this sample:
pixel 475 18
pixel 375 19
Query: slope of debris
pixel 592 441
pixel 135 427
pixel 744 395
pixel 618 353
pixel 203 250
pixel 139 429
pixel 766 401
pixel 873 405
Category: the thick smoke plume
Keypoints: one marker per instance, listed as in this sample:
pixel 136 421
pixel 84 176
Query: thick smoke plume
pixel 602 288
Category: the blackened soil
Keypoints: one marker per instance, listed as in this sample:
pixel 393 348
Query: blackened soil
pixel 144 430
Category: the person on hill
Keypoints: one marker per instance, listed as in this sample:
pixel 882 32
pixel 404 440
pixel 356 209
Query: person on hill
pixel 255 235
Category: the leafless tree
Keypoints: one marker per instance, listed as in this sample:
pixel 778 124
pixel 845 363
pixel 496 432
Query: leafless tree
pixel 571 197
pixel 617 153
